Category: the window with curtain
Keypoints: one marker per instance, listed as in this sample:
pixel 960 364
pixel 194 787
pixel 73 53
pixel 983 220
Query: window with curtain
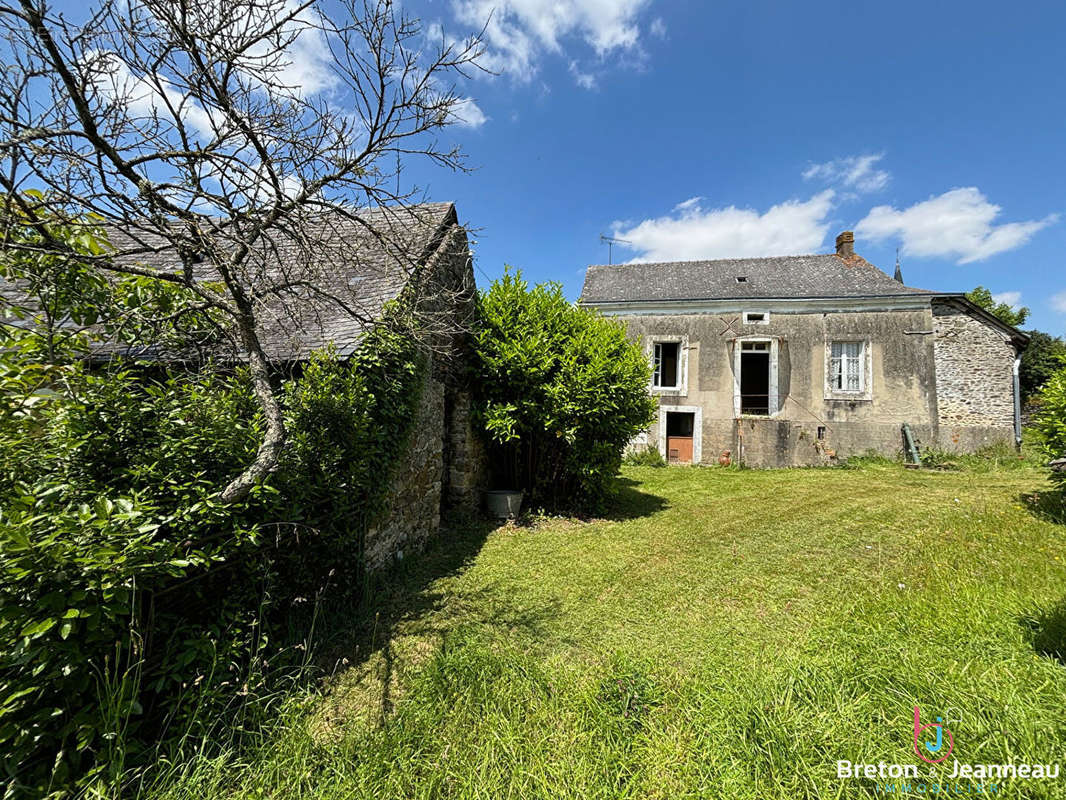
pixel 847 366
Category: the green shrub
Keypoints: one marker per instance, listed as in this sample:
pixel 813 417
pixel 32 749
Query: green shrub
pixel 562 391
pixel 133 605
pixel 347 421
pixel 1050 420
pixel 115 507
pixel 648 457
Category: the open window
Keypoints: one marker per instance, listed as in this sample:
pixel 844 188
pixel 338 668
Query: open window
pixel 755 372
pixel 667 359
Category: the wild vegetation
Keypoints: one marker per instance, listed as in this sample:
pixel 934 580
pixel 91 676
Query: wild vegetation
pixel 136 604
pixel 718 633
pixel 1051 416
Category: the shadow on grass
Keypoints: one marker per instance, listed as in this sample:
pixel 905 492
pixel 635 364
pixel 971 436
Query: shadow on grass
pixel 1048 505
pixel 628 502
pixel 1046 630
pixel 351 633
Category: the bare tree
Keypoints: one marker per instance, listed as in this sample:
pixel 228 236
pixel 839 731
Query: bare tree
pixel 219 140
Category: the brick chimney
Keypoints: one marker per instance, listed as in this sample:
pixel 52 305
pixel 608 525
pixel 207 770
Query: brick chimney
pixel 846 244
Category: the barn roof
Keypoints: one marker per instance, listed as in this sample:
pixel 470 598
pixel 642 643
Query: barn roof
pixel 358 262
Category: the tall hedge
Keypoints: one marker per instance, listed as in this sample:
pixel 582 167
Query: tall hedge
pixel 562 391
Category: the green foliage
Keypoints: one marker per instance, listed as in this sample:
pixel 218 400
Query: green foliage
pixel 1051 418
pixel 562 391
pixel 64 293
pixel 1006 313
pixel 131 597
pixel 114 505
pixel 648 457
pixel 70 299
pixel 347 421
pixel 1040 359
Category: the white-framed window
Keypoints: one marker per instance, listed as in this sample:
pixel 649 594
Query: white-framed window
pixel 847 367
pixel 669 363
pixel 666 359
pixel 756 317
pixel 755 377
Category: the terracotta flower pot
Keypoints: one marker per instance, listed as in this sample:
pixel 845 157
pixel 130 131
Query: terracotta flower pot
pixel 725 459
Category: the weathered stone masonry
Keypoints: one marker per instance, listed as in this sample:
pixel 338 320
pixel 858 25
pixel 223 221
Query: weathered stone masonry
pixel 974 377
pixel 441 465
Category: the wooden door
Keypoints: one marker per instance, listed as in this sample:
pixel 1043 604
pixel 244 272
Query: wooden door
pixel 679 449
pixel 680 428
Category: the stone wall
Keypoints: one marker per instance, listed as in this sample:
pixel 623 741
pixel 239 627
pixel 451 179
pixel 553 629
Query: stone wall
pixel 813 426
pixel 464 453
pixel 974 379
pixel 414 499
pixel 442 465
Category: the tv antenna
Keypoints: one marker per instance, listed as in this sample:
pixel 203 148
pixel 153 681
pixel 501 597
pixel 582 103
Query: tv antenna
pixel 611 242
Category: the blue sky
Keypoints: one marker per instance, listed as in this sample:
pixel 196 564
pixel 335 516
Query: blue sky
pixel 718 129
pixel 753 128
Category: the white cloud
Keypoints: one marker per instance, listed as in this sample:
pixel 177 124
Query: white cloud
pixel 586 80
pixel 306 64
pixel 658 28
pixel 518 32
pixel 692 232
pixel 1058 302
pixel 145 99
pixel 957 224
pixel 1012 299
pixel 468 114
pixel 859 173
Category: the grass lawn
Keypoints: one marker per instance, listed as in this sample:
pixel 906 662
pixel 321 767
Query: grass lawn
pixel 725 633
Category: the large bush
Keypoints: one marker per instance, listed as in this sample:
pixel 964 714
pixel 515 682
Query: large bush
pixel 135 606
pixel 562 391
pixel 107 509
pixel 1051 418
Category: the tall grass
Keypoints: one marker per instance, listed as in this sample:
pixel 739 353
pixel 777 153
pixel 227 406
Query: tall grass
pixel 725 634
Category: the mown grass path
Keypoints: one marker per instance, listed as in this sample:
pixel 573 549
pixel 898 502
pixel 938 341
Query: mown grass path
pixel 726 633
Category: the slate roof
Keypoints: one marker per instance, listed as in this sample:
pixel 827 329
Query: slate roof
pixel 809 276
pixel 358 269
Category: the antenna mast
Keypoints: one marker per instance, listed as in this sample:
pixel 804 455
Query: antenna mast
pixel 611 242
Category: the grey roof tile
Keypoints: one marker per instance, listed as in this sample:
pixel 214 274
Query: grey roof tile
pixel 776 277
pixel 357 267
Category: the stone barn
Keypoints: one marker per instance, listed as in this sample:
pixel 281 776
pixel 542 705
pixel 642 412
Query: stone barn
pixel 417 256
pixel 803 360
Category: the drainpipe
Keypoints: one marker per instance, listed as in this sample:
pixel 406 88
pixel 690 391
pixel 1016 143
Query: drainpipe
pixel 1017 403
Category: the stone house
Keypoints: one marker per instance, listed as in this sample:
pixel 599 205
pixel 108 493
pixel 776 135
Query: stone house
pixel 803 360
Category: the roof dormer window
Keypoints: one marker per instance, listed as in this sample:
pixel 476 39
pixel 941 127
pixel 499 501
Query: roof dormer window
pixel 742 278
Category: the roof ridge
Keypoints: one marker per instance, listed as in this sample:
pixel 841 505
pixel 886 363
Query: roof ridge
pixel 714 260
